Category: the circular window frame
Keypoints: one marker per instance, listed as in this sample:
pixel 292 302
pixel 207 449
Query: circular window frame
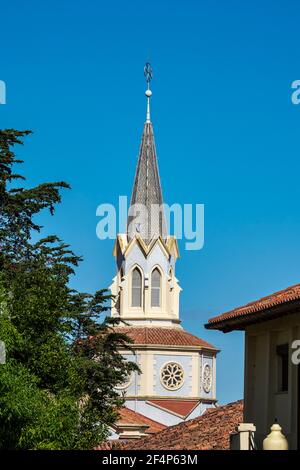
pixel 167 387
pixel 125 384
pixel 207 389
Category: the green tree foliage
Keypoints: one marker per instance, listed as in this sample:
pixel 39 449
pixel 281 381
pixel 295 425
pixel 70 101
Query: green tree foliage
pixel 57 386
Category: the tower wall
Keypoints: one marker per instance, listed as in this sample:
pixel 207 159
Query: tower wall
pixel 158 257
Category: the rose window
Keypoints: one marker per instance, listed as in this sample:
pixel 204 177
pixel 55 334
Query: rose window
pixel 126 383
pixel 207 378
pixel 172 376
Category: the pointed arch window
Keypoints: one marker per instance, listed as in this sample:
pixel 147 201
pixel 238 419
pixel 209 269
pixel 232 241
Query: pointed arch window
pixel 155 288
pixel 170 279
pixel 136 294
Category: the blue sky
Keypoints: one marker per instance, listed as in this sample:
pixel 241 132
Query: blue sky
pixel 227 135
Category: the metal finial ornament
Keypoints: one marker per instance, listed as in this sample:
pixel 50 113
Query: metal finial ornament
pixel 148 74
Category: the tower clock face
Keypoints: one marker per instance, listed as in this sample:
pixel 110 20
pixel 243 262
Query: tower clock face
pixel 207 378
pixel 172 376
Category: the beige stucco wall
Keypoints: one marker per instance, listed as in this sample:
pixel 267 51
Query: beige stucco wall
pixel 263 402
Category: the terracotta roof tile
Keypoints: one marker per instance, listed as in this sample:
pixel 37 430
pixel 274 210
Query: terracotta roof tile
pixel 162 336
pixel 113 444
pixel 210 431
pixel 264 304
pixel 127 416
pixel 180 407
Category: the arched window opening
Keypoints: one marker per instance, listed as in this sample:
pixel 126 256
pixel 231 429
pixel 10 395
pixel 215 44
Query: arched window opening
pixel 136 297
pixel 155 288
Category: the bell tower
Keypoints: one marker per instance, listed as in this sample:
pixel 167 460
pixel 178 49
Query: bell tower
pixel 145 287
pixel 178 379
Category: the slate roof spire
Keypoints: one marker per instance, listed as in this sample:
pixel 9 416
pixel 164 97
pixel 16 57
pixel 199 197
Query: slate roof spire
pixel 146 216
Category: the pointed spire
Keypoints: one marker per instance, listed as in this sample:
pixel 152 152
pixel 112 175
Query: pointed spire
pixel 148 219
pixel 148 93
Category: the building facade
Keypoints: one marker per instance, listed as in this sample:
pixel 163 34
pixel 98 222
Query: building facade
pixel 272 356
pixel 178 379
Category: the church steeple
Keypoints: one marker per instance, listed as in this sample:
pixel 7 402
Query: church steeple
pixel 145 297
pixel 145 288
pixel 146 216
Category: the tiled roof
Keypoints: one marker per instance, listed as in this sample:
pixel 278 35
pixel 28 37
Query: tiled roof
pixel 179 407
pixel 211 431
pixel 162 336
pixel 262 309
pixel 128 416
pixel 113 444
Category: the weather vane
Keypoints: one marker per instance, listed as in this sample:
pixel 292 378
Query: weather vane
pixel 148 72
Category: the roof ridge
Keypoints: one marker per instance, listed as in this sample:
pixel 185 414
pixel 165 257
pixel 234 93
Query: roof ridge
pixel 179 433
pixel 266 297
pixel 259 304
pixel 209 411
pixel 146 418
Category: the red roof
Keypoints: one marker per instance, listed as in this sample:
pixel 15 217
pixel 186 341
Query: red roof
pixel 260 310
pixel 211 431
pixel 127 416
pixel 179 407
pixel 162 336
